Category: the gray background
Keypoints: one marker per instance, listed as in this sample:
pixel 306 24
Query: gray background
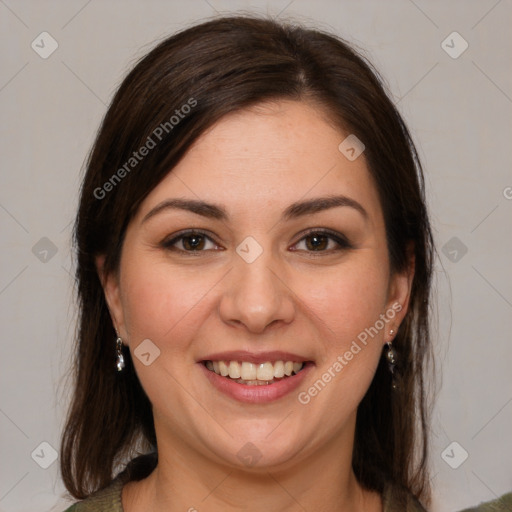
pixel 459 111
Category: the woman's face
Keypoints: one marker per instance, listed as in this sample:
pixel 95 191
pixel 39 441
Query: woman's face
pixel 275 273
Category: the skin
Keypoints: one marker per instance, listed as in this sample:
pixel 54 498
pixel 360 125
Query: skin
pixel 255 163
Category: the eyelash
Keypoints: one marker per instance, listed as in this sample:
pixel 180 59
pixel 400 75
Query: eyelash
pixel 342 242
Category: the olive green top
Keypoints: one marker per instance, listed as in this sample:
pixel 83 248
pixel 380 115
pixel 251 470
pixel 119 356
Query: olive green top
pixel 502 504
pixel 109 499
pixel 394 499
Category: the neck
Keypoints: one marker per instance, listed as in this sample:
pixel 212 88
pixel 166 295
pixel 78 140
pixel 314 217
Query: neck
pixel 185 479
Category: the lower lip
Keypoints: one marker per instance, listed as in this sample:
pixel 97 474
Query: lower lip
pixel 257 394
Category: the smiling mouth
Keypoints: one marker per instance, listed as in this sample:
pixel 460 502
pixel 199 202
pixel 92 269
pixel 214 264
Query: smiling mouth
pixel 251 374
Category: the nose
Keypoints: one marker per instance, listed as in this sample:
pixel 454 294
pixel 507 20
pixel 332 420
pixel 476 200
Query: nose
pixel 257 295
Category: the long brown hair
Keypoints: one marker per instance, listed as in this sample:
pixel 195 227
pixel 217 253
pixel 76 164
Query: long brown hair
pixel 215 68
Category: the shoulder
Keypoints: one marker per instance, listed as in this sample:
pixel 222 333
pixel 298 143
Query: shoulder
pixel 499 505
pixel 105 500
pixel 398 499
pixel 108 499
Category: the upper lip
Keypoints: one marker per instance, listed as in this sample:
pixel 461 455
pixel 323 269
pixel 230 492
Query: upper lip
pixel 255 357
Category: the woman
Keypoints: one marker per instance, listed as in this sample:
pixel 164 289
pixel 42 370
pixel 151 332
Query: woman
pixel 254 269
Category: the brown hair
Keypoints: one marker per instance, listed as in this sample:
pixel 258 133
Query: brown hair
pixel 218 67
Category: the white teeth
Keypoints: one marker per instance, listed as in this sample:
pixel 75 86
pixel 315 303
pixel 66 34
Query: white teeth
pixel 224 369
pixel 250 373
pixel 234 370
pixel 279 369
pixel 265 371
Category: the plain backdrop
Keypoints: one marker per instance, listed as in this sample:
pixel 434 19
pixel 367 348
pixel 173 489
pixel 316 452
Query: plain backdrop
pixel 457 103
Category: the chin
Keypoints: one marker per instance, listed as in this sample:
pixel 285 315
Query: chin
pixel 261 451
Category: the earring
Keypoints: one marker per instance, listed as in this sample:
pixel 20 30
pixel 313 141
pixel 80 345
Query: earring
pixel 119 350
pixel 391 356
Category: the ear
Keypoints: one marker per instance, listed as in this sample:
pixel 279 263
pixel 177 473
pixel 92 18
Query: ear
pixel 399 292
pixel 110 284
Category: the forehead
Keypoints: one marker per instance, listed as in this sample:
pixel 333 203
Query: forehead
pixel 268 156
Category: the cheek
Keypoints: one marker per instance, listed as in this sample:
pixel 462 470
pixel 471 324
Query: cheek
pixel 162 304
pixel 346 309
pixel 167 307
pixel 347 300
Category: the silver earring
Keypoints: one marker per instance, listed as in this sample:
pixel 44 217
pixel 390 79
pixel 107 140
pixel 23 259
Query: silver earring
pixel 391 356
pixel 119 350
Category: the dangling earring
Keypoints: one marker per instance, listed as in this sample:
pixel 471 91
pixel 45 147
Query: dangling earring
pixel 119 350
pixel 391 357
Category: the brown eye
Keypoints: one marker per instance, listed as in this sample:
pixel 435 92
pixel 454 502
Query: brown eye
pixel 193 242
pixel 316 242
pixel 323 241
pixel 190 241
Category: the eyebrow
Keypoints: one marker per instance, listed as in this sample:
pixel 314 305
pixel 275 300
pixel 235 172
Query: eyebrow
pixel 294 211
